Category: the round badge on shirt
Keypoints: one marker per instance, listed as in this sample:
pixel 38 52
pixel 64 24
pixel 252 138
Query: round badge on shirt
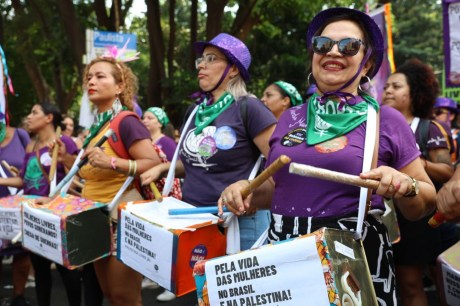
pixel 225 138
pixel 293 138
pixel 207 147
pixel 45 159
pixel 332 145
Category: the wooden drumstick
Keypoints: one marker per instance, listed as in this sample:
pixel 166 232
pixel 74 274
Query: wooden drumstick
pixel 333 176
pixel 262 177
pixel 156 192
pixel 55 155
pixel 12 169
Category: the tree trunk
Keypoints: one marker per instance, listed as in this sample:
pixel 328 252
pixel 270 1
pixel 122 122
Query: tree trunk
pixel 172 38
pixel 103 19
pixel 244 20
pixel 193 31
pixel 215 9
pixel 74 31
pixel 157 69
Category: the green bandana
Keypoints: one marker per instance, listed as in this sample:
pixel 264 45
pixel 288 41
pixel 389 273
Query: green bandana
pixel 296 98
pixel 326 122
pixel 207 114
pixel 160 114
pixel 101 120
pixel 2 131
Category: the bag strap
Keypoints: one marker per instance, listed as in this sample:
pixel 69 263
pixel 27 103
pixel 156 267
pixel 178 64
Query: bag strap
pixel 444 133
pixel 423 128
pixel 115 141
pixel 172 168
pixel 370 160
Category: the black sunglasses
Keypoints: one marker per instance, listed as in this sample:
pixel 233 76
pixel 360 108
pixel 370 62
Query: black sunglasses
pixel 347 46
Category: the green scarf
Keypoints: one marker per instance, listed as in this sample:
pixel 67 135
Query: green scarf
pixel 101 120
pixel 326 122
pixel 2 131
pixel 208 113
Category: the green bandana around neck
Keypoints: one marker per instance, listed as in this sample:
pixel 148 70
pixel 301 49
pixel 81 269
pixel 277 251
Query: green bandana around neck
pixel 2 131
pixel 101 120
pixel 326 122
pixel 206 114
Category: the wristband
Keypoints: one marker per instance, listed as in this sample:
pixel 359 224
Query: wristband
pixel 112 163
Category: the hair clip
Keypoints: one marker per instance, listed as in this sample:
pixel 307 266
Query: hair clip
pixel 121 54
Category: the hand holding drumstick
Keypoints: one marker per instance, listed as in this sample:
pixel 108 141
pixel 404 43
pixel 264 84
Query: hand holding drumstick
pixel 232 197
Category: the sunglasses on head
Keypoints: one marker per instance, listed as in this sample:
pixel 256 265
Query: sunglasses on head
pixel 347 46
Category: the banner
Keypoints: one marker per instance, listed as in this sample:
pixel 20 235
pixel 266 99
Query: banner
pixel 382 16
pixel 451 26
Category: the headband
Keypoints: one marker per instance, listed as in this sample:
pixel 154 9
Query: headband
pixel 160 114
pixel 291 91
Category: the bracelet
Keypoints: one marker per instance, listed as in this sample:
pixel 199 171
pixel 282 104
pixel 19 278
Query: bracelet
pixel 130 162
pixel 134 168
pixel 113 160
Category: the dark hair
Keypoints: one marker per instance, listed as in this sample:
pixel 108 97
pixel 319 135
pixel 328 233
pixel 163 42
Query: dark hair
pixel 283 93
pixel 367 40
pixel 49 108
pixel 423 86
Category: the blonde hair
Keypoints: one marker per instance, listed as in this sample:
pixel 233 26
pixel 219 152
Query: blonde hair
pixel 237 87
pixel 122 75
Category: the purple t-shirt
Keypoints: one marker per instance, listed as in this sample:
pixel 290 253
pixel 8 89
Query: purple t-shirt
pixel 310 197
pixel 132 130
pixel 35 181
pixel 13 153
pixel 168 145
pixel 223 153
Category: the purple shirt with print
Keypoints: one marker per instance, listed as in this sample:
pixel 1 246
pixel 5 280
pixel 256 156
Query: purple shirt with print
pixel 310 197
pixel 38 163
pixel 168 145
pixel 223 153
pixel 13 153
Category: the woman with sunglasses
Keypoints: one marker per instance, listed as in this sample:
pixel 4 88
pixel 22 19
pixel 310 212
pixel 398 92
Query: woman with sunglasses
pixel 227 133
pixel 280 96
pixel 412 90
pixel 445 111
pixel 347 50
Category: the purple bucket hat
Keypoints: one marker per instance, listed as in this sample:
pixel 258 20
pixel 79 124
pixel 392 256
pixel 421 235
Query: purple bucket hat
pixel 234 49
pixel 442 102
pixel 370 26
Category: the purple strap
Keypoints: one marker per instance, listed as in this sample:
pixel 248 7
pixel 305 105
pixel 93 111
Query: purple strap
pixel 346 97
pixel 200 96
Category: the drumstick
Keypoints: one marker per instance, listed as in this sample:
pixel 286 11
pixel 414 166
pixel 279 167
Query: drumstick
pixel 256 182
pixel 55 154
pixel 156 192
pixel 437 219
pixel 12 169
pixel 80 164
pixel 333 176
pixel 267 173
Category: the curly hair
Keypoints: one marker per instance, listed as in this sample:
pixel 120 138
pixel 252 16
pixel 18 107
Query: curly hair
pixel 122 74
pixel 423 86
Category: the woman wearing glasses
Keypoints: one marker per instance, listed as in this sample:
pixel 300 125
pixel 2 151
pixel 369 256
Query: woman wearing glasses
pixel 226 134
pixel 412 90
pixel 346 50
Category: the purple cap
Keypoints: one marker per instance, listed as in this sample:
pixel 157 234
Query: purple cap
pixel 443 102
pixel 234 49
pixel 370 27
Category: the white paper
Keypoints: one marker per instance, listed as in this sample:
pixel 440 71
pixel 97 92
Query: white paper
pixel 10 222
pixel 157 212
pixel 41 233
pixel 454 25
pixel 146 248
pixel 288 273
pixel 451 279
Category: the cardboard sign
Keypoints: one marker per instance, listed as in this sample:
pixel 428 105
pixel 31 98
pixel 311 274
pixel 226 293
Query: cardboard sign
pixel 69 230
pixel 10 215
pixel 448 263
pixel 326 268
pixel 165 248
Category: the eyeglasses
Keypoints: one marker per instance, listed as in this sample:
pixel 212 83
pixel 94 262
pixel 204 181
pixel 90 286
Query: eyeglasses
pixel 207 59
pixel 347 46
pixel 440 111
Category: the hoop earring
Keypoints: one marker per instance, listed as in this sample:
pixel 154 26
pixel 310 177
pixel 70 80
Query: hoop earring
pixel 308 79
pixel 368 81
